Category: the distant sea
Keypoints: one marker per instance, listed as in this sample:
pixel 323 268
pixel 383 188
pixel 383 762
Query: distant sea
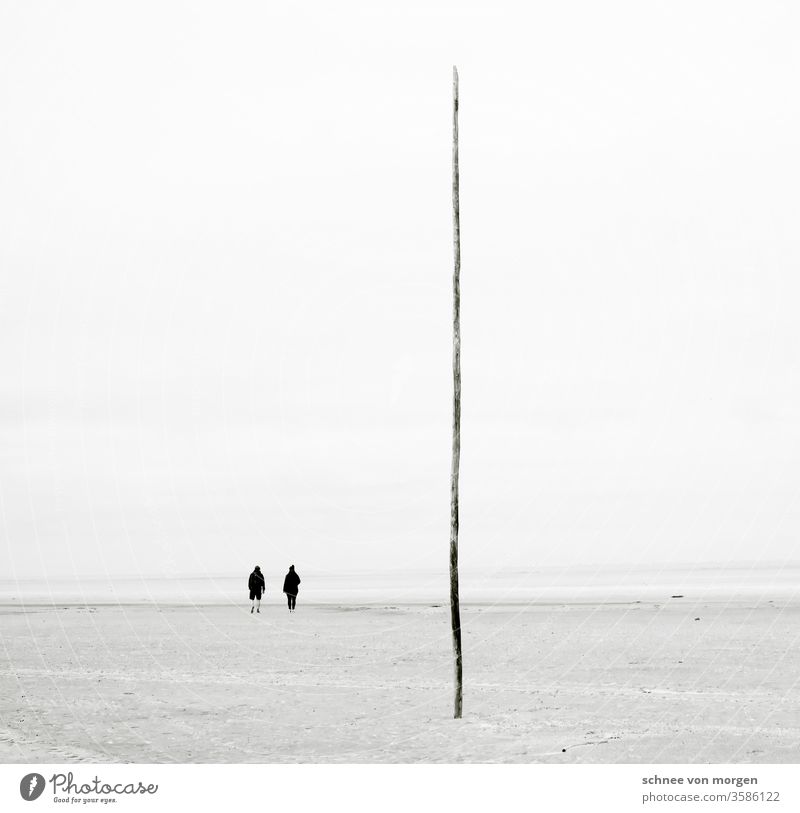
pixel 549 585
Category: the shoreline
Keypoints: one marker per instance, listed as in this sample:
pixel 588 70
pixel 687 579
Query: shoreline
pixel 686 601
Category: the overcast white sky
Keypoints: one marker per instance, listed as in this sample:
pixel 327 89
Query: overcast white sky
pixel 226 268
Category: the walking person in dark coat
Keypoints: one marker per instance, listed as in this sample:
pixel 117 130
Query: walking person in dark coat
pixel 257 587
pixel 290 585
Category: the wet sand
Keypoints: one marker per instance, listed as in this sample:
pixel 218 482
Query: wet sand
pixel 679 680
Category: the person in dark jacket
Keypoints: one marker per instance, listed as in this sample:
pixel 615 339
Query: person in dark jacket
pixel 290 585
pixel 257 587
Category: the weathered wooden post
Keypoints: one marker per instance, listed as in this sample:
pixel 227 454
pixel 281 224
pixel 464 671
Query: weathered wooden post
pixel 455 610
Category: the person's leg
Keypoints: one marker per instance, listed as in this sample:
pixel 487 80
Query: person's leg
pixel 289 601
pixel 258 605
pixel 292 602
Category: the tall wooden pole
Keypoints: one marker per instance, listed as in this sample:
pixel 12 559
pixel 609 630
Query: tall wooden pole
pixel 455 610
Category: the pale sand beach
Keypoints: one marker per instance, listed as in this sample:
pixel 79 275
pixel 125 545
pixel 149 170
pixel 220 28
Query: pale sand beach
pixel 674 680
